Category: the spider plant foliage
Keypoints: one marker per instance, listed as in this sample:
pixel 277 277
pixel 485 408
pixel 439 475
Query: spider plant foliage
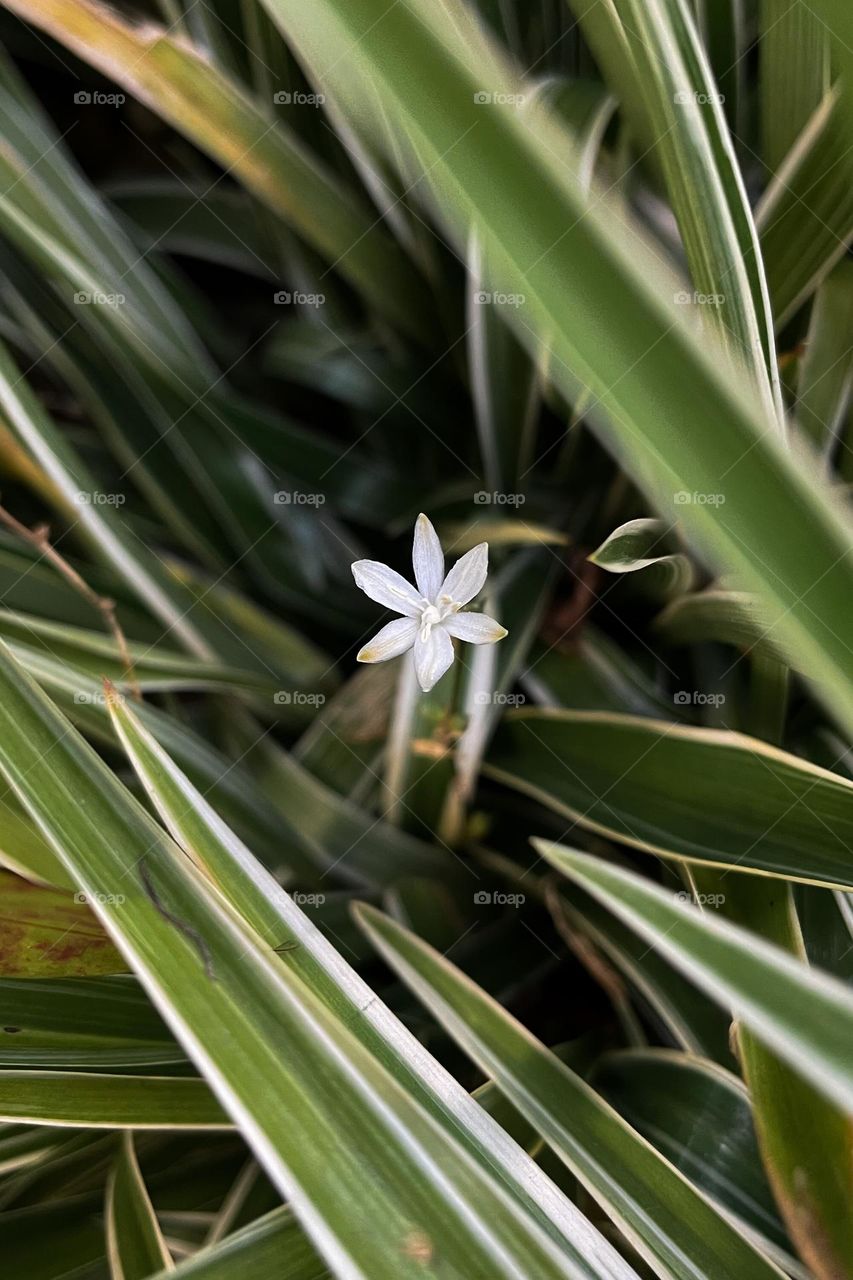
pixel 426 601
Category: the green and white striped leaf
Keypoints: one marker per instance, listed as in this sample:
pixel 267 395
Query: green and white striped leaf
pixel 698 1116
pixel 233 1003
pixel 135 1246
pixel 675 1229
pixel 675 107
pixel 826 371
pixel 97 1007
pixel 98 1101
pixel 155 667
pixel 273 1247
pixel 718 617
pixel 805 216
pixel 278 919
pixel 701 795
pixel 640 544
pixel 805 1016
pixel 793 49
pixel 292 819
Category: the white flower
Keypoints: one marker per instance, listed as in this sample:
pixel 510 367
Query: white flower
pixel 431 613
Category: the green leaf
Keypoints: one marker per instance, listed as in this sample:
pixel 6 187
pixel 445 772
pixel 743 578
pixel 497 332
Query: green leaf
pixel 672 1227
pixel 504 385
pixel 826 923
pixel 823 389
pixel 101 1007
pixel 83 1025
pixel 51 212
pixel 343 746
pixel 698 1116
pixel 592 674
pixel 53 1242
pixel 233 1002
pixel 793 51
pixel 804 1137
pixel 278 919
pixel 264 796
pixel 136 363
pixel 839 25
pixel 24 851
pixel 802 1014
pixel 805 216
pixel 44 1051
pixel 521 593
pixel 271 1248
pixel 704 795
pixel 135 1246
pixel 155 667
pixel 170 215
pixel 102 1101
pixel 716 616
pixel 640 544
pixel 650 52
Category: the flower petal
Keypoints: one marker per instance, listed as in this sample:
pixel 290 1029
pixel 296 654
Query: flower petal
pixel 427 558
pixel 394 638
pixel 387 587
pixel 467 576
pixel 432 657
pixel 476 628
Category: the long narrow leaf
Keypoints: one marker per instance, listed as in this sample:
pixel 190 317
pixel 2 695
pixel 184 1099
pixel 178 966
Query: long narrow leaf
pixel 804 1015
pixel 704 795
pixel 333 1129
pixel 674 1228
pixel 135 1245
pixel 277 918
